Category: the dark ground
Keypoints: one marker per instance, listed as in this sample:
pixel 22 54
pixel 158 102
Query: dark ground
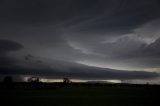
pixel 80 95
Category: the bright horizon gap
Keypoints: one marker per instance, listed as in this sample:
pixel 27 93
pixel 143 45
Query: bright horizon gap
pixel 50 80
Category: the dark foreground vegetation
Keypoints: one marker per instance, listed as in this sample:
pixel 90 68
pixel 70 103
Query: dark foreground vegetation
pixel 78 94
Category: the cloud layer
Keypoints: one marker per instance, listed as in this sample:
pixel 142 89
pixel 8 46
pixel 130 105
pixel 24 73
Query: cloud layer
pixel 117 34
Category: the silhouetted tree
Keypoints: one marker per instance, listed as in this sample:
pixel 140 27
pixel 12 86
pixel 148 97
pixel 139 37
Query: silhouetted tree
pixel 8 82
pixel 122 81
pixel 35 82
pixel 66 80
pixel 33 79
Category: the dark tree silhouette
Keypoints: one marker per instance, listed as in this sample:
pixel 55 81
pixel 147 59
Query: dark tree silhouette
pixel 66 80
pixel 33 79
pixel 35 82
pixel 8 79
pixel 8 82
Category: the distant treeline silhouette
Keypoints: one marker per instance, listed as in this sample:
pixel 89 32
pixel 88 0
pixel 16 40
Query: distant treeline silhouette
pixel 35 83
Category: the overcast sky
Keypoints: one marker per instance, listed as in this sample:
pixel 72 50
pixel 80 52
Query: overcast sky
pixel 74 37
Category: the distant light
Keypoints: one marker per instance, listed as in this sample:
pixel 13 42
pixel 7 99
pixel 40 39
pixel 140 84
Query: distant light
pixel 114 81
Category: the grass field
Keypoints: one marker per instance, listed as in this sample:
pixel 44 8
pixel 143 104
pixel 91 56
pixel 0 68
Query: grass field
pixel 82 96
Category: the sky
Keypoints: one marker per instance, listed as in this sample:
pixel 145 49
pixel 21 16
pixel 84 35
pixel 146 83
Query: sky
pixel 84 39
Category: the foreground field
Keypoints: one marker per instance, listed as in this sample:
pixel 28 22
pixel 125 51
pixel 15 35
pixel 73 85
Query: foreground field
pixel 82 96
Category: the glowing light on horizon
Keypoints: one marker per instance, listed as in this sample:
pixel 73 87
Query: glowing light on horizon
pixel 50 80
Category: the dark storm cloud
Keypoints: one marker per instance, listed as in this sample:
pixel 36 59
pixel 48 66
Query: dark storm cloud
pixel 28 57
pixel 119 17
pixel 131 51
pixel 91 18
pixel 7 46
pixel 78 30
pixel 149 55
pixel 98 15
pixel 73 70
pixel 153 49
pixel 31 67
pixel 138 49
